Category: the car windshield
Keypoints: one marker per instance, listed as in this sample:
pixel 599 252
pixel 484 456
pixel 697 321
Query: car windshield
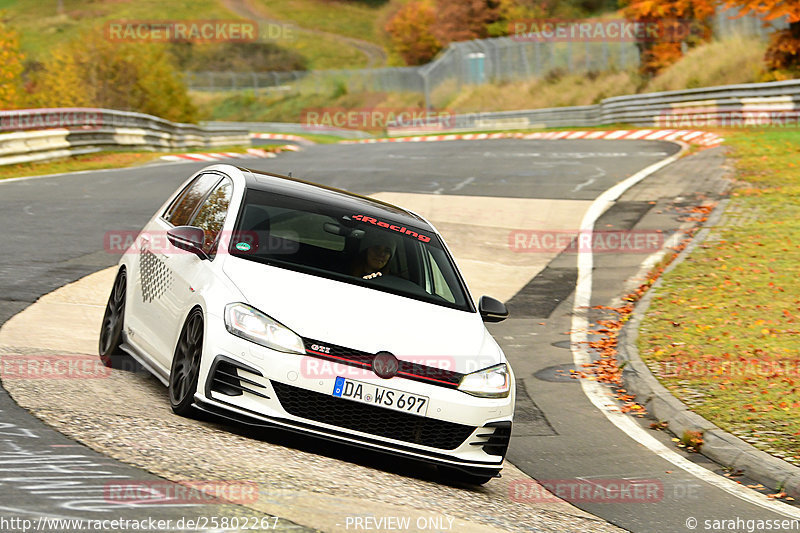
pixel 349 246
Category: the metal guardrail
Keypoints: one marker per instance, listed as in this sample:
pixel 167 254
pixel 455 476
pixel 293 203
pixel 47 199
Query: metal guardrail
pixel 40 134
pixel 286 127
pixel 756 104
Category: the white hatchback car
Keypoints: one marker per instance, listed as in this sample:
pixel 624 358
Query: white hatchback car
pixel 277 302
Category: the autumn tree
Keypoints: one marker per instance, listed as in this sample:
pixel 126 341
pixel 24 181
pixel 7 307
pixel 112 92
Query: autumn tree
pixel 411 32
pixel 10 68
pixel 784 46
pixel 93 71
pixel 465 20
pixel 681 22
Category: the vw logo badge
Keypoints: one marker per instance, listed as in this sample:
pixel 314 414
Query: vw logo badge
pixel 385 365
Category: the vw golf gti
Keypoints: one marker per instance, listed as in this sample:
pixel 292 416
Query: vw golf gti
pixel 277 302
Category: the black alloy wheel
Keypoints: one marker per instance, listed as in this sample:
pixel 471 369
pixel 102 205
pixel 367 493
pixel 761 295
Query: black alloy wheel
pixel 186 365
pixel 113 320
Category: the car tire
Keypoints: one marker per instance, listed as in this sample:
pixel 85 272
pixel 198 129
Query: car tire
pixel 463 477
pixel 113 320
pixel 185 369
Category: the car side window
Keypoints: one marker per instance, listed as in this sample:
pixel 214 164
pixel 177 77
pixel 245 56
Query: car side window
pixel 183 207
pixel 211 215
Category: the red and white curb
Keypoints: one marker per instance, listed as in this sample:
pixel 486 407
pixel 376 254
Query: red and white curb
pixel 281 137
pixel 218 156
pixel 700 138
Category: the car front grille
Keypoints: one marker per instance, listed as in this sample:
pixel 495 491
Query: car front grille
pixel 371 419
pixel 407 369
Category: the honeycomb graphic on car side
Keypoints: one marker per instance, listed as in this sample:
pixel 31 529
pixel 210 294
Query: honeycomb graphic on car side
pixel 156 277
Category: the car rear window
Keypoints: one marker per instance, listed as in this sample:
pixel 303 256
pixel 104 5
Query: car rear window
pixel 349 246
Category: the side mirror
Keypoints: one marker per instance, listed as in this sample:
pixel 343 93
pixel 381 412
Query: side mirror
pixel 492 310
pixel 189 238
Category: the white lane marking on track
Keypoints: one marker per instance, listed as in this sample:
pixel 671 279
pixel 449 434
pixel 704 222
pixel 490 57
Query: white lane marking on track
pixel 463 183
pixel 601 396
pixel 600 173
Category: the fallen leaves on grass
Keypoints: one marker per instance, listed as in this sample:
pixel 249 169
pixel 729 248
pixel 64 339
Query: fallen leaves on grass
pixel 691 440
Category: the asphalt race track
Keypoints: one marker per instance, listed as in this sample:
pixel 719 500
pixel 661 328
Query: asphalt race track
pixel 476 193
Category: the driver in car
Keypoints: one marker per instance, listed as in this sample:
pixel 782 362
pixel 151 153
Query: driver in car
pixel 375 251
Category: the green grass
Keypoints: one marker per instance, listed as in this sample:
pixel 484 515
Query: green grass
pixel 352 19
pixel 273 106
pixel 324 52
pixel 41 28
pixel 722 332
pixel 318 138
pixel 99 161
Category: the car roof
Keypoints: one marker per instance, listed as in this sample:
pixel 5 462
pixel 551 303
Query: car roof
pixel 345 200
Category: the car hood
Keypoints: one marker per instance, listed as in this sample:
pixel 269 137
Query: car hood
pixel 334 312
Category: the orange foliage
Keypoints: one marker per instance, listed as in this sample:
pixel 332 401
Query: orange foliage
pixel 423 27
pixel 10 69
pixel 465 20
pixel 784 46
pixel 660 56
pixel 784 49
pixel 671 14
pixel 768 9
pixel 411 32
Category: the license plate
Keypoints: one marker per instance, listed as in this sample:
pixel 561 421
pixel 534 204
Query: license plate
pixel 380 396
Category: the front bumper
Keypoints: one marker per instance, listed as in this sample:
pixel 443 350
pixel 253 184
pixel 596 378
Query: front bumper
pixel 258 386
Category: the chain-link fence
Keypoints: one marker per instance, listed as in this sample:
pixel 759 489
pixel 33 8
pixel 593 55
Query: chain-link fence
pixel 728 23
pixel 471 62
pixel 505 59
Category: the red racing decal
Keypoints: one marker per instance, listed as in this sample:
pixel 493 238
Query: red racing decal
pixel 399 229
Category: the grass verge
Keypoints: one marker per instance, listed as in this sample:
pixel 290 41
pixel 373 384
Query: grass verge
pixel 97 161
pixel 723 330
pixel 352 19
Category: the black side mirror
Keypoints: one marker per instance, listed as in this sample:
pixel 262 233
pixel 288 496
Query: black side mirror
pixel 189 238
pixel 492 310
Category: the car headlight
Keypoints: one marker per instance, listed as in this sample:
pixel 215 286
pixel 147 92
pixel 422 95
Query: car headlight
pixel 492 382
pixel 251 324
